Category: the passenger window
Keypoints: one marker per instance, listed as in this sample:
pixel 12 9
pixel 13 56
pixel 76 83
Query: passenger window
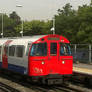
pixel 53 49
pixel 11 50
pixel 19 50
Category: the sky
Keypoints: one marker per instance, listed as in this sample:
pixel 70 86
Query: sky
pixel 37 9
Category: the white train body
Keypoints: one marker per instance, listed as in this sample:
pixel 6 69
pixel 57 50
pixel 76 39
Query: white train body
pixel 17 52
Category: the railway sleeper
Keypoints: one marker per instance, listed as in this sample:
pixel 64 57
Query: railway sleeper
pixel 82 78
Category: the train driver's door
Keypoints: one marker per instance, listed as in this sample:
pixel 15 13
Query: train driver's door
pixel 53 56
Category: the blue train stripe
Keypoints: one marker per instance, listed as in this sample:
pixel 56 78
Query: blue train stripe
pixel 15 68
pixel 18 69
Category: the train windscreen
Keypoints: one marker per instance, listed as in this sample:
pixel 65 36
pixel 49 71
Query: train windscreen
pixel 39 49
pixel 65 49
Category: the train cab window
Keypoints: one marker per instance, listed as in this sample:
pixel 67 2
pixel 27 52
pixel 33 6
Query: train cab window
pixel 39 49
pixel 19 50
pixel 11 50
pixel 65 49
pixel 53 49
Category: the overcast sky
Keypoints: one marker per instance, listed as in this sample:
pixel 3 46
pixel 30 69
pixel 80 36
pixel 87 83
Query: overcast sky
pixel 37 9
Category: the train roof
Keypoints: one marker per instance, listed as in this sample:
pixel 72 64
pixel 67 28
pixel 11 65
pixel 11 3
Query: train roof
pixel 28 39
pixel 24 37
pixel 21 40
pixel 2 41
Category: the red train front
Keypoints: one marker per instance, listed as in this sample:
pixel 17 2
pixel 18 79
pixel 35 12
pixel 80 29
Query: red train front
pixel 50 58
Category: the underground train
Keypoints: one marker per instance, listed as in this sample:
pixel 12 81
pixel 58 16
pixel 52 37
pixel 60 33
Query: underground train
pixel 44 58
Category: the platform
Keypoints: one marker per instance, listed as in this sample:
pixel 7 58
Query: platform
pixel 83 68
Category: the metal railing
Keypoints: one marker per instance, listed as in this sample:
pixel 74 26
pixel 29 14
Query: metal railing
pixel 82 53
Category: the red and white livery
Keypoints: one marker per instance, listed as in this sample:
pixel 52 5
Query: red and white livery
pixel 39 57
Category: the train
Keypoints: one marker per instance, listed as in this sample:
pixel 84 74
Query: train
pixel 43 58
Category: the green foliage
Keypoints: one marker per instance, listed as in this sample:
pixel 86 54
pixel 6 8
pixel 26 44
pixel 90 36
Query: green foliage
pixel 75 25
pixel 12 26
pixel 9 24
pixel 15 17
pixel 34 27
pixel 65 21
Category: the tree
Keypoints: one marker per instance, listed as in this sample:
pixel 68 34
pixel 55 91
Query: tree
pixel 66 10
pixel 65 20
pixel 75 25
pixel 34 27
pixel 8 25
pixel 84 15
pixel 15 17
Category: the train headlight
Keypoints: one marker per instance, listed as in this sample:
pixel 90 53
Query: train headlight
pixel 43 62
pixel 63 62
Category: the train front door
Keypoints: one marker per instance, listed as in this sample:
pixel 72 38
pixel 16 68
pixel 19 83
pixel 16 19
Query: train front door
pixel 53 57
pixel 5 54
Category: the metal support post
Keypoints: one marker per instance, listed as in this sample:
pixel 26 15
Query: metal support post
pixel 54 25
pixel 89 53
pixel 2 26
pixel 75 47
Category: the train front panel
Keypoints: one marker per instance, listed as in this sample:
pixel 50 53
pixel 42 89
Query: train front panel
pixel 50 55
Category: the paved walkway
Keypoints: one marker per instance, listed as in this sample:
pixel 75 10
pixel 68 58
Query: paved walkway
pixel 83 68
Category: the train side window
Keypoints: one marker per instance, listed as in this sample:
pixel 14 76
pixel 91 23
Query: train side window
pixel 19 50
pixel 53 49
pixel 11 50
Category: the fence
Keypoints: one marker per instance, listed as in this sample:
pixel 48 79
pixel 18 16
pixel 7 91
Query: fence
pixel 82 53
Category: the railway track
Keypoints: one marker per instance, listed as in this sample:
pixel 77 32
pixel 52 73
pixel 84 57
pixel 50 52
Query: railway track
pixel 10 84
pixel 6 88
pixel 58 88
pixel 75 88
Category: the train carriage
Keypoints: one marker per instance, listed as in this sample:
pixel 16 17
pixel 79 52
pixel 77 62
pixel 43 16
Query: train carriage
pixel 39 57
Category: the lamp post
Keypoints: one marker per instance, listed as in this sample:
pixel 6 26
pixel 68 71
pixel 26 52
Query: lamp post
pixel 21 32
pixel 54 25
pixel 2 26
pixel 53 28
